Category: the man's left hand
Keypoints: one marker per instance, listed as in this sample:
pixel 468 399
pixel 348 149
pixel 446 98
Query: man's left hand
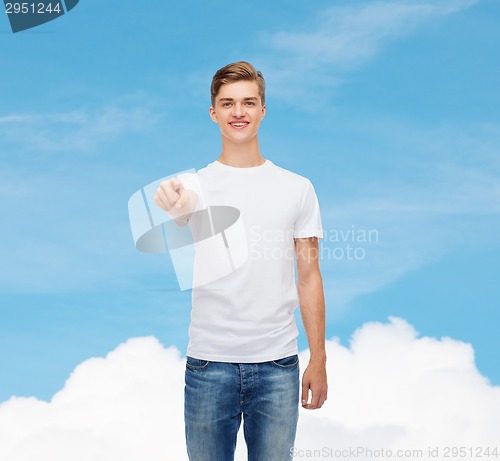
pixel 314 379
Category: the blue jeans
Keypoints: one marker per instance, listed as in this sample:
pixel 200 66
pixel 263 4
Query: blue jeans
pixel 218 394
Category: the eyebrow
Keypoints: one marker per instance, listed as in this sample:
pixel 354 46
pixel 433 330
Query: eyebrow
pixel 244 99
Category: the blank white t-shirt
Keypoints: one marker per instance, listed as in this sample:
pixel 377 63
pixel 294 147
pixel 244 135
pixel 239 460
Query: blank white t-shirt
pixel 248 315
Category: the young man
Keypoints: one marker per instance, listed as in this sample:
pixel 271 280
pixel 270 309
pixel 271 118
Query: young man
pixel 242 357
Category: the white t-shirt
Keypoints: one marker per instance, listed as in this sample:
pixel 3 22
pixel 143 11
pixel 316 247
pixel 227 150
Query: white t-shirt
pixel 248 315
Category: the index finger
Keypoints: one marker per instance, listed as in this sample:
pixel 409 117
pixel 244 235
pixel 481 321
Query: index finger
pixel 177 185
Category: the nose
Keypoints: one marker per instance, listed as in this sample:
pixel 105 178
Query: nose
pixel 238 110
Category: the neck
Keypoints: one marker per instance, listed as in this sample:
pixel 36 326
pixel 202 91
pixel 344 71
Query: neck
pixel 245 155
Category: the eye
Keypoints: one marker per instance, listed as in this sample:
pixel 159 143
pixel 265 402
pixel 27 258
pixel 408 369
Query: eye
pixel 250 103
pixel 226 104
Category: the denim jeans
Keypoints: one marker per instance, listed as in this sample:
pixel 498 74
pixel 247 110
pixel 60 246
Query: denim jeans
pixel 216 397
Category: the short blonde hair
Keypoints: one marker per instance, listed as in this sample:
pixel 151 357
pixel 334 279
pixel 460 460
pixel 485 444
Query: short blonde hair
pixel 236 72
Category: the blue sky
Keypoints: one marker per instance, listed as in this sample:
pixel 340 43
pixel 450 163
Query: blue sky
pixel 390 108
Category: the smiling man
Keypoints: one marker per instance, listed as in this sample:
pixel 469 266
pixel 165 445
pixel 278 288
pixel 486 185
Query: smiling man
pixel 242 357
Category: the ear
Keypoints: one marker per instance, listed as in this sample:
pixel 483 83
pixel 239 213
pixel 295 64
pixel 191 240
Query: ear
pixel 264 109
pixel 213 114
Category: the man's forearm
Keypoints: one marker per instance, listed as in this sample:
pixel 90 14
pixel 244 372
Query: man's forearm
pixel 312 310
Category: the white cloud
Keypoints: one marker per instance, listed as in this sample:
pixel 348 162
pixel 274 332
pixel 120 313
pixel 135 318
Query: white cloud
pixel 127 406
pixel 352 33
pixel 77 130
pixel 438 194
pixel 393 389
pixel 342 38
pixel 389 389
pixel 65 224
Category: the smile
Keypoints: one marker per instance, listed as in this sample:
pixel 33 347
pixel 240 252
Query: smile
pixel 238 124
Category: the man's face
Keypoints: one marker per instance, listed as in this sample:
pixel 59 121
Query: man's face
pixel 238 110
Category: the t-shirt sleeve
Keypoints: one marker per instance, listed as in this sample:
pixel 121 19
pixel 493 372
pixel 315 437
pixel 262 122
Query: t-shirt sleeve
pixel 308 222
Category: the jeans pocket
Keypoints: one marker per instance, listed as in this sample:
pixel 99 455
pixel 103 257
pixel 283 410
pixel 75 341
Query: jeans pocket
pixel 196 364
pixel 287 362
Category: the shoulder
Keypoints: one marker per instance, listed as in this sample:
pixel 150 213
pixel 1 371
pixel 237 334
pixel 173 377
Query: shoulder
pixel 291 177
pixel 208 168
